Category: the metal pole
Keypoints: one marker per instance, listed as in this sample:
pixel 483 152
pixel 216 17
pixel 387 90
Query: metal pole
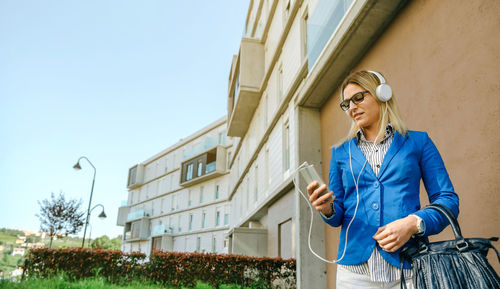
pixel 90 201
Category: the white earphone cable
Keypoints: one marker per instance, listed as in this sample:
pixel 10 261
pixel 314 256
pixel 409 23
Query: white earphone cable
pixel 312 211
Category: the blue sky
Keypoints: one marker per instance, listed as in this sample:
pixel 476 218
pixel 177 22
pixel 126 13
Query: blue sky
pixel 116 81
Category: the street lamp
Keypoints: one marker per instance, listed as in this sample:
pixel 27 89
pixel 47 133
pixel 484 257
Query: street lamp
pixel 101 216
pixel 78 167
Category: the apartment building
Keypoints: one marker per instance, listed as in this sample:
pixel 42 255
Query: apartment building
pixel 178 198
pixel 283 90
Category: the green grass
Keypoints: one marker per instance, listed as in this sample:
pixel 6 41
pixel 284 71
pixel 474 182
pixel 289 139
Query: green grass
pixel 90 283
pixel 7 238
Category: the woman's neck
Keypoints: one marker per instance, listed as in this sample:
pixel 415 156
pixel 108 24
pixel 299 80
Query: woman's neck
pixel 371 133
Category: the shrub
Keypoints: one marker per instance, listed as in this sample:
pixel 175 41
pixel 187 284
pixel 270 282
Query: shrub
pixel 167 268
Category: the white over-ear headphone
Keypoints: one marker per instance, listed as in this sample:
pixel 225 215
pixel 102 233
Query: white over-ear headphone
pixel 383 90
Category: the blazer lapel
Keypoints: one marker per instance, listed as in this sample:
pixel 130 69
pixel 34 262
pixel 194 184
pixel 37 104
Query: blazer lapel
pixel 359 157
pixel 396 145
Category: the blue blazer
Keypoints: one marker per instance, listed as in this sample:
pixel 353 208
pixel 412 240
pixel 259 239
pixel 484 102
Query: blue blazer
pixel 392 195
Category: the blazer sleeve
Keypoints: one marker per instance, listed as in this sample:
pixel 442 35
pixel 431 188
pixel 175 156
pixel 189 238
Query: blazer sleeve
pixel 438 186
pixel 335 185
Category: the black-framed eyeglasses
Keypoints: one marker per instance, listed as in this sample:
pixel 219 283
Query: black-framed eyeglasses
pixel 357 98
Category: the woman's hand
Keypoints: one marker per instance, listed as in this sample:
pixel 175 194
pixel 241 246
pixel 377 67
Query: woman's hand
pixel 319 202
pixel 394 235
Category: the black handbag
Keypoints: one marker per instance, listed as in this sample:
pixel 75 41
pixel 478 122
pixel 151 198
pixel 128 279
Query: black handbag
pixel 459 263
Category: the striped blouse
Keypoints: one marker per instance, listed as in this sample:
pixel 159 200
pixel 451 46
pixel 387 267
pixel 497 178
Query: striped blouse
pixel 376 267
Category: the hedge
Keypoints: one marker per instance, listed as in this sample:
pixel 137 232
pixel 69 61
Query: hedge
pixel 168 268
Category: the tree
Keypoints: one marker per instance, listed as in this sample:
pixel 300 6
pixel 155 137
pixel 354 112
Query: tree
pixel 104 242
pixel 58 216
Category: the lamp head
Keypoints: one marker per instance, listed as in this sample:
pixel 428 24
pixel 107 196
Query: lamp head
pixel 77 166
pixel 102 215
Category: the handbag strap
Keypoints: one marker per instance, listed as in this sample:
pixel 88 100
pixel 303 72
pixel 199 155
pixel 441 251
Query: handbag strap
pixel 453 222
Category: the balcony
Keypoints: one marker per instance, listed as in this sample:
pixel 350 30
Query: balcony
pixel 137 230
pixel 137 215
pixel 160 230
pixel 205 166
pixel 123 212
pixel 135 176
pixel 208 143
pixel 247 74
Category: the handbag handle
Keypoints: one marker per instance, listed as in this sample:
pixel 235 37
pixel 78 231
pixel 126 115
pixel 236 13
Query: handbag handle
pixel 461 243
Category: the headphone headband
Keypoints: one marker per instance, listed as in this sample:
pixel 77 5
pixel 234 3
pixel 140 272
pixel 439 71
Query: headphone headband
pixel 383 91
pixel 378 75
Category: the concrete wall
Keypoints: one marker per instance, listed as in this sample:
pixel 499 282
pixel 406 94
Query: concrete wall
pixel 441 59
pixel 279 212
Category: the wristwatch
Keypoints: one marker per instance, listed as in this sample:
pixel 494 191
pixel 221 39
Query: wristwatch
pixel 420 225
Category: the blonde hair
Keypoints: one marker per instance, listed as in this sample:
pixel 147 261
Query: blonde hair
pixel 369 81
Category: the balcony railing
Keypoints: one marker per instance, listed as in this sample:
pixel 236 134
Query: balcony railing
pixel 137 215
pixel 161 229
pixel 210 167
pixel 322 24
pixel 209 143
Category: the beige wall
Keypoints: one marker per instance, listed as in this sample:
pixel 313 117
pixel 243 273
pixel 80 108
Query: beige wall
pixel 442 60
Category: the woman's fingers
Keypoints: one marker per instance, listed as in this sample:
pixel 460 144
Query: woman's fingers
pixel 315 194
pixel 395 234
pixel 311 186
pixel 319 202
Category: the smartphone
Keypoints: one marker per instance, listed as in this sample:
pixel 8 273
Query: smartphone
pixel 309 174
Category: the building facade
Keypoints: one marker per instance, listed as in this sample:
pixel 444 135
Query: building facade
pixel 283 109
pixel 283 96
pixel 178 198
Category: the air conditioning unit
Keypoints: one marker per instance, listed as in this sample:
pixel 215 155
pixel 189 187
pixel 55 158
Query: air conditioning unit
pixel 135 176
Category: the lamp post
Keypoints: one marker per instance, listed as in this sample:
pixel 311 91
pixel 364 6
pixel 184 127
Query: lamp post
pixel 78 167
pixel 102 215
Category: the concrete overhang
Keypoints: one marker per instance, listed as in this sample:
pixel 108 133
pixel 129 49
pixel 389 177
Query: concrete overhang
pixel 247 74
pixel 360 28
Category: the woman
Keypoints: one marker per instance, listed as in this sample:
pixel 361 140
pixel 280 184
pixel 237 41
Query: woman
pixel 374 179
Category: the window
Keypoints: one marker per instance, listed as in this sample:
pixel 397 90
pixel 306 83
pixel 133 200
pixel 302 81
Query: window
pixel 201 194
pixel 265 111
pixel 217 218
pixel 203 220
pixel 247 195
pixel 280 84
pixel 221 138
pixel 179 229
pixel 267 178
pixel 286 146
pixel 200 169
pixel 135 229
pixel 213 244
pixel 132 173
pixel 156 244
pixel 303 34
pixel 189 174
pixel 226 219
pixel 198 244
pixel 286 12
pixel 216 192
pixel 172 207
pixel 190 222
pixel 190 200
pixel 256 185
